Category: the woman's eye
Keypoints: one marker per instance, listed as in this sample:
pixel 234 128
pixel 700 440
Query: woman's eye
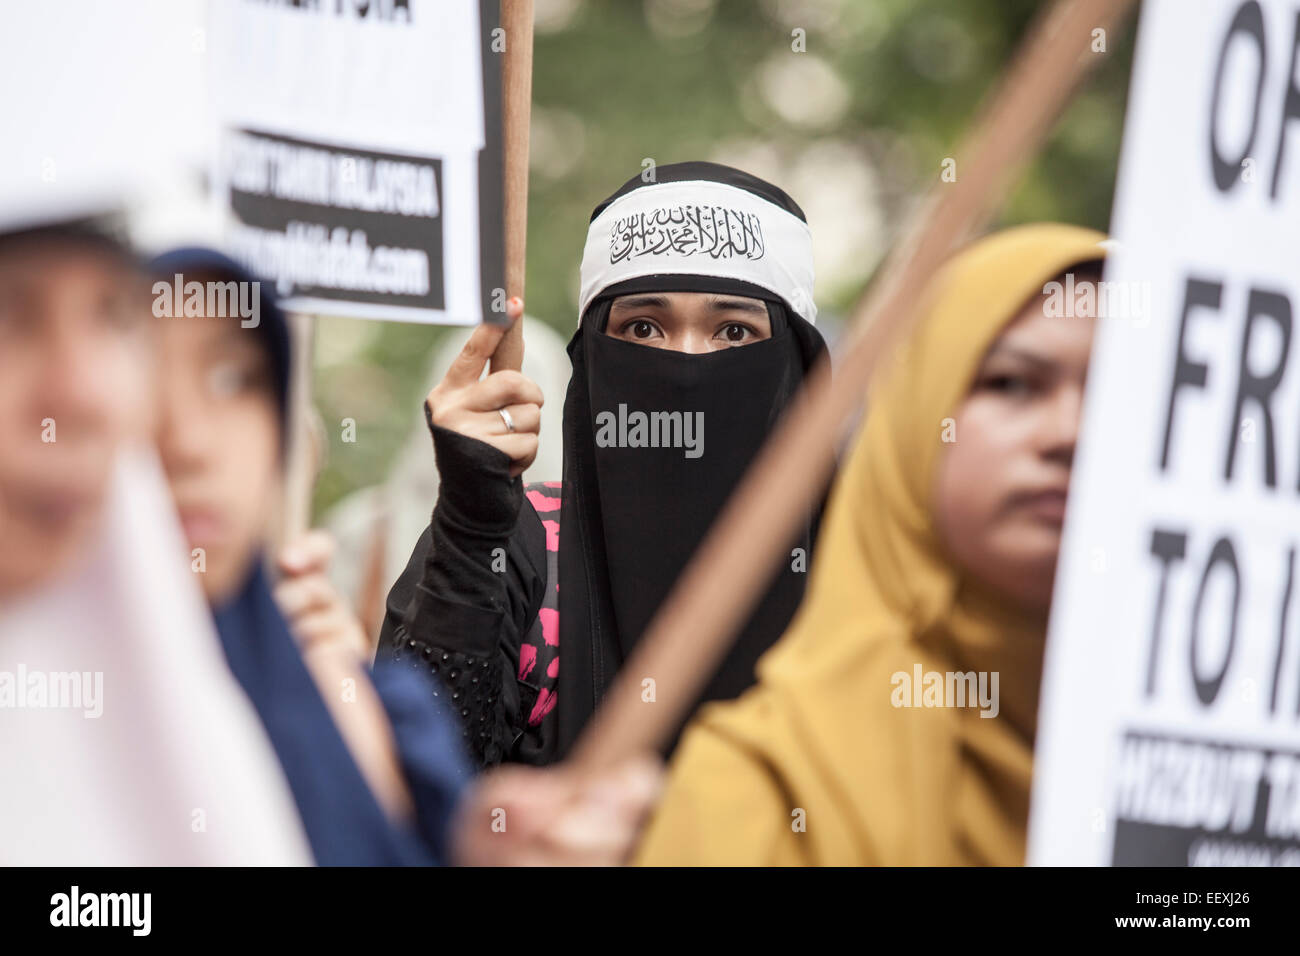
pixel 640 329
pixel 735 332
pixel 1014 386
pixel 229 379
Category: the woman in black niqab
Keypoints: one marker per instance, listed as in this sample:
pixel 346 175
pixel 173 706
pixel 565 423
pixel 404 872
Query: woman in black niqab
pixel 631 509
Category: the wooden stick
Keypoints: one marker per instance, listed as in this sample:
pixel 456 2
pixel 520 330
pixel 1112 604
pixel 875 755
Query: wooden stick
pixel 516 113
pixel 693 630
pixel 301 453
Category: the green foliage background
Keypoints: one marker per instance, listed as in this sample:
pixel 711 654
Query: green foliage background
pixel 915 72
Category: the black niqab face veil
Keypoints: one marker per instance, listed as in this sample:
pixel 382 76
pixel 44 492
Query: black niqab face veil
pixel 655 441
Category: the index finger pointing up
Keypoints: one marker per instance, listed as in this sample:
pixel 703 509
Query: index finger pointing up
pixel 468 365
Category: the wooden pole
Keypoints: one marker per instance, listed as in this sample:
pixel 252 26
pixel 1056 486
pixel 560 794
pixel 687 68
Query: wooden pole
pixel 301 453
pixel 516 112
pixel 720 585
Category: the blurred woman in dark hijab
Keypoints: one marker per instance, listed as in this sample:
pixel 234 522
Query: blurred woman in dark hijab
pixel 374 761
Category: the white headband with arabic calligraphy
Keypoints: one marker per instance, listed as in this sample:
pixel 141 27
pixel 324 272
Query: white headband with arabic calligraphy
pixel 700 228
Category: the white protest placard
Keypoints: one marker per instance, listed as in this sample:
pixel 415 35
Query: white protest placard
pixel 360 153
pixel 103 108
pixel 1169 729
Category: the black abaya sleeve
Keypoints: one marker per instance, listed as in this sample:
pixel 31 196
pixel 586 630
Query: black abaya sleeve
pixel 468 596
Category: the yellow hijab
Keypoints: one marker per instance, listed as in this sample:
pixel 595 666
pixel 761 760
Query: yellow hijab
pixel 815 764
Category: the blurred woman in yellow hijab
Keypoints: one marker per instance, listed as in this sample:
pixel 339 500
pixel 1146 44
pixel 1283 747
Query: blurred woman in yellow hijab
pixel 894 722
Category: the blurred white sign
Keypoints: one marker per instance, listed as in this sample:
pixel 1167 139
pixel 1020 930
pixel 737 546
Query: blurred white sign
pixel 103 106
pixel 1170 719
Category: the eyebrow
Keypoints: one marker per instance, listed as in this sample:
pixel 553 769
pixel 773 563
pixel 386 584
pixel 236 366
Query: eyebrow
pixel 640 302
pixel 717 303
pixel 739 305
pixel 1010 351
pixel 222 338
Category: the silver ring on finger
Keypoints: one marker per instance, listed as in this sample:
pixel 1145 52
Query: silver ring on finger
pixel 505 417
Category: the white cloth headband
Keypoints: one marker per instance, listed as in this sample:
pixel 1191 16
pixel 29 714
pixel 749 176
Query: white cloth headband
pixel 702 228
